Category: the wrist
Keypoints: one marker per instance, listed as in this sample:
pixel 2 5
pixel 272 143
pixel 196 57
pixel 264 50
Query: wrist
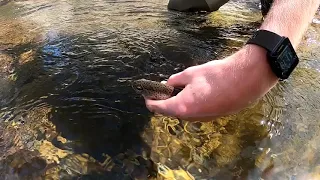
pixel 253 67
pixel 255 58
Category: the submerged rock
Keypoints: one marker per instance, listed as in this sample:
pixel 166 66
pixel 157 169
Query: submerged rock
pixel 16 33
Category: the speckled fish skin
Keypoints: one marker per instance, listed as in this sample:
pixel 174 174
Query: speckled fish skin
pixel 152 89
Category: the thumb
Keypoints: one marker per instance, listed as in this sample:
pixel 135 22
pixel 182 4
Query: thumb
pixel 170 107
pixel 178 80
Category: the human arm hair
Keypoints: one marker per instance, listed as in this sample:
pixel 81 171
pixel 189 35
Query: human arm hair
pixel 290 18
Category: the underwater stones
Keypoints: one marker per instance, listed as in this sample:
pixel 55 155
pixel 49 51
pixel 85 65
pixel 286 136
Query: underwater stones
pixel 6 63
pixel 23 164
pixel 14 33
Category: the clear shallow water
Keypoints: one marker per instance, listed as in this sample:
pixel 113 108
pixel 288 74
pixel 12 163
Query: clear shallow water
pixel 67 109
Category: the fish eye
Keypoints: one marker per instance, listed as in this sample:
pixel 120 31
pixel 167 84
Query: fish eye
pixel 139 88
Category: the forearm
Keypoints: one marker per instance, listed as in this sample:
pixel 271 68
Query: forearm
pixel 290 18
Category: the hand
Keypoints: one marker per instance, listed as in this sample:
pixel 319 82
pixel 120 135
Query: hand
pixel 219 87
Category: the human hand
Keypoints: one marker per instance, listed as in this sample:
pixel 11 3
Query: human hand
pixel 219 87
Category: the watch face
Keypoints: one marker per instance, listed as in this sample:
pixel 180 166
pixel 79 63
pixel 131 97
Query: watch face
pixel 286 59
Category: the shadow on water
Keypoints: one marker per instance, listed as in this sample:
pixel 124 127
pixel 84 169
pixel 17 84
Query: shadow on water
pixel 90 105
pixel 200 40
pixel 196 43
pixel 93 103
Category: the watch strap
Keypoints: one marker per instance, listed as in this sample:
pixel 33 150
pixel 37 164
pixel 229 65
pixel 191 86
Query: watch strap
pixel 265 39
pixel 280 53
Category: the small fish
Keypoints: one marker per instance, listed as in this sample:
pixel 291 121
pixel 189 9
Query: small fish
pixel 154 90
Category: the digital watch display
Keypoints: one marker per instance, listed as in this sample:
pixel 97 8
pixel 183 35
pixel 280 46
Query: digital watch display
pixel 280 52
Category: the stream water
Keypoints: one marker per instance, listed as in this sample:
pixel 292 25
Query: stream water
pixel 67 109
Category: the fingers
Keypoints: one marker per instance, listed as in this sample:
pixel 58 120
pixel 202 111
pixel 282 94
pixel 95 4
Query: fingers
pixel 173 106
pixel 179 80
pixel 170 107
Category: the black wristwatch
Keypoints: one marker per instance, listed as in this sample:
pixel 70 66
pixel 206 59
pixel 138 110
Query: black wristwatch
pixel 280 53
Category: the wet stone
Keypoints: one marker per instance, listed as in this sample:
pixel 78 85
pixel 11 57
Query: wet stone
pixel 24 164
pixel 6 64
pixel 15 33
